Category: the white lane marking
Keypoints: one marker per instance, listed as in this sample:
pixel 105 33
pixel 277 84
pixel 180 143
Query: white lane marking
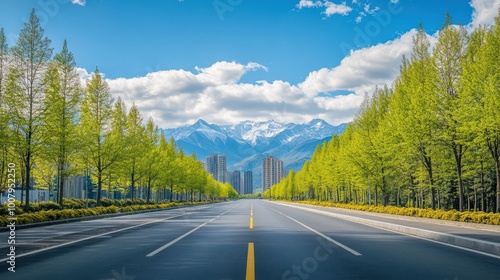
pixel 186 234
pixel 87 238
pixel 347 218
pixel 438 242
pixel 352 251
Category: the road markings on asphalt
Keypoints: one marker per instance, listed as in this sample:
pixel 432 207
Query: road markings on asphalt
pixel 250 263
pixel 364 222
pixel 186 234
pixel 90 237
pixel 352 251
pixel 251 216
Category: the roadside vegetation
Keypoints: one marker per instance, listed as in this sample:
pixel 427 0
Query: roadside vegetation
pixel 450 215
pixel 52 128
pixel 426 146
pixel 78 208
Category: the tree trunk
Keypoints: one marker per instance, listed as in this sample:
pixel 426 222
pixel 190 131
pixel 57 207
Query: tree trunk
pixel 60 187
pixel 28 175
pixel 457 152
pixel 171 191
pixel 482 187
pixel 149 191
pixel 498 186
pixel 99 187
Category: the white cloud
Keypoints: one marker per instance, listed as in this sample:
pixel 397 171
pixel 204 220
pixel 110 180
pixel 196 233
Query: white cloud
pixel 309 4
pixel 484 12
pixel 362 70
pixel 227 72
pixel 79 2
pixel 394 1
pixel 216 93
pixel 330 7
pixel 370 11
pixel 366 11
pixel 84 75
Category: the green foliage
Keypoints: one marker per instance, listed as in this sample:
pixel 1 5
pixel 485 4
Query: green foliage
pixel 49 212
pixel 24 94
pixel 451 215
pixel 431 140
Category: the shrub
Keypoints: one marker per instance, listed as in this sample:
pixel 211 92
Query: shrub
pixel 451 215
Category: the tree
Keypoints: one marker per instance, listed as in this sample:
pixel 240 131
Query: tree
pixel 490 121
pixel 418 113
pixel 4 129
pixel 134 149
pixel 60 124
pixel 31 55
pixel 152 156
pixel 170 176
pixel 480 99
pixel 96 115
pixel 4 56
pixel 116 174
pixel 448 56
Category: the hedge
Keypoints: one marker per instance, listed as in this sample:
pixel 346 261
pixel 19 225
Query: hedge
pixel 451 215
pixel 77 212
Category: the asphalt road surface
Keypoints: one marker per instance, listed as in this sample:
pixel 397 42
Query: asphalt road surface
pixel 246 239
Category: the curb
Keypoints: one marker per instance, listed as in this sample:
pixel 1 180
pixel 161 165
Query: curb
pixel 465 242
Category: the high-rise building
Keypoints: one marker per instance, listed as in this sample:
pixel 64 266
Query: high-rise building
pixel 216 165
pixel 272 172
pixel 235 180
pixel 248 182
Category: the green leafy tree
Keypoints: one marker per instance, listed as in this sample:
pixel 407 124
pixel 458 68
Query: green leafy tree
pixel 418 125
pixel 134 149
pixel 30 55
pixel 448 56
pixel 96 115
pixel 4 129
pixel 152 156
pixel 60 124
pixel 170 176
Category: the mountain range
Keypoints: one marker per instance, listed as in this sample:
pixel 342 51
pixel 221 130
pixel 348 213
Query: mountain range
pixel 245 144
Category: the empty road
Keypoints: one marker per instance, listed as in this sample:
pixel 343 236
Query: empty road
pixel 246 239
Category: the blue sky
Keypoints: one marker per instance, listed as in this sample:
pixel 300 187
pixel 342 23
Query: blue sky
pixel 231 60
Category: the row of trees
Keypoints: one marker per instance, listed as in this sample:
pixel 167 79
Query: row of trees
pixel 430 140
pixel 53 127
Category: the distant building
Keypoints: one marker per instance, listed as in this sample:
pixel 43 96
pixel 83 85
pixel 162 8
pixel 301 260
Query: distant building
pixel 235 180
pixel 248 182
pixel 272 172
pixel 216 165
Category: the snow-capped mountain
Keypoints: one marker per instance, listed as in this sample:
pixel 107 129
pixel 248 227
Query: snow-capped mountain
pixel 245 144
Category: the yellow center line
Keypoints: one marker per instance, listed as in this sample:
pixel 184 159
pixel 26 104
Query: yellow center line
pixel 250 263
